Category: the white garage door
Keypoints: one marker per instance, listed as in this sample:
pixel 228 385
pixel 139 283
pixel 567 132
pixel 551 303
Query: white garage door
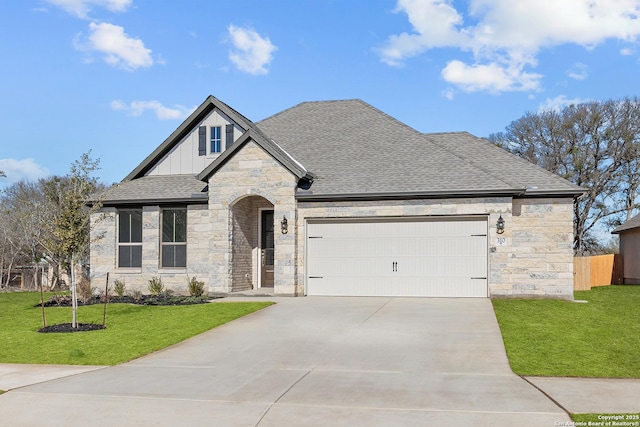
pixel 444 257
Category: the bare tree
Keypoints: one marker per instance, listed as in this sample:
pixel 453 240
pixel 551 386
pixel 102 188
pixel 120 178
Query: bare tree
pixel 594 145
pixel 23 217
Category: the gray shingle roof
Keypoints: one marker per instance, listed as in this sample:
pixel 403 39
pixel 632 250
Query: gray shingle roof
pixel 514 170
pixel 157 188
pixel 629 225
pixel 351 148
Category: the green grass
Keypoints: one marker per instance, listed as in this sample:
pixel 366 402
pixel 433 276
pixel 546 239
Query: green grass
pixel 560 338
pixel 132 330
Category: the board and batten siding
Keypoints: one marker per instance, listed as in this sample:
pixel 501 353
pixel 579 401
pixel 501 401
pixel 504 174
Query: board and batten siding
pixel 184 158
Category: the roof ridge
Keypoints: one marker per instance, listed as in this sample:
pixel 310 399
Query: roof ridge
pixel 448 133
pixel 475 165
pixel 304 103
pixel 493 146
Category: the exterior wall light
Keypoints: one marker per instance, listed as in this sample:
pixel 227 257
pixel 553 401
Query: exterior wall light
pixel 500 225
pixel 284 226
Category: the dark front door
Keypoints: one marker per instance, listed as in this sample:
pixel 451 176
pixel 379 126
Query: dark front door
pixel 266 249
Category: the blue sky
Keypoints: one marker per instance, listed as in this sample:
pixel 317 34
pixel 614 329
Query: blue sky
pixel 118 76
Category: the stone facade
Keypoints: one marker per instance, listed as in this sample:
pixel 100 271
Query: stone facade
pixel 104 250
pixel 533 257
pixel 251 173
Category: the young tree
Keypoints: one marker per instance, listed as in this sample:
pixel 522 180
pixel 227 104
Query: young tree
pixel 594 145
pixel 69 222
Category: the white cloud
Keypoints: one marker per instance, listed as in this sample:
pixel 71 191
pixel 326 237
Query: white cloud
pixel 506 36
pixel 137 108
pixel 627 51
pixel 559 102
pixel 578 72
pixel 119 49
pixel 252 53
pixel 492 77
pixel 448 93
pixel 81 8
pixel 18 170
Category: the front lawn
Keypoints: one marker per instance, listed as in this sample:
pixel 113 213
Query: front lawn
pixel 560 338
pixel 132 330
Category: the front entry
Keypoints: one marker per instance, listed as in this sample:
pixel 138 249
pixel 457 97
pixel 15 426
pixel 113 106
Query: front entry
pixel 266 249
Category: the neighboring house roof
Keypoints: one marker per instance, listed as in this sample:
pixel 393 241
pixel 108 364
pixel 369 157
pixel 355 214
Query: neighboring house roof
pixel 164 189
pixel 356 151
pixel 629 225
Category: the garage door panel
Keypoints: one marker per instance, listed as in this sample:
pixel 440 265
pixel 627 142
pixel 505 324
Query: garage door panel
pixel 441 246
pixel 444 257
pixel 353 266
pixel 442 267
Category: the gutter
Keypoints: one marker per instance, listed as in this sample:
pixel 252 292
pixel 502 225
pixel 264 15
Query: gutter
pixel 195 199
pixel 308 196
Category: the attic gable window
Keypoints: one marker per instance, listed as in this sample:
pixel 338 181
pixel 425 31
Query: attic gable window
pixel 216 139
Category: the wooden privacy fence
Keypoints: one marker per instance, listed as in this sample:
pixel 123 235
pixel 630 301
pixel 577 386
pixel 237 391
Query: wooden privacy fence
pixel 599 270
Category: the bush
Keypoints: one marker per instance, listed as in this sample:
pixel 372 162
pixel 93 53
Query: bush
pixel 136 295
pixel 119 288
pixel 85 291
pixel 196 287
pixel 155 287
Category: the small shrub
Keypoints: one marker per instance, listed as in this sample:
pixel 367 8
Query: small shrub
pixel 85 291
pixel 119 288
pixel 155 287
pixel 196 287
pixel 136 295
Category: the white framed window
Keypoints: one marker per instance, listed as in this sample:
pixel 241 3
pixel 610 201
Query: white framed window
pixel 129 238
pixel 173 246
pixel 216 139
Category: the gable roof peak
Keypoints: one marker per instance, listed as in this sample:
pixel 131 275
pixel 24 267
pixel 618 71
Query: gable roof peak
pixel 210 104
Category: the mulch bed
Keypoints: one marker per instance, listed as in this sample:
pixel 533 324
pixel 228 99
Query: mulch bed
pixel 65 300
pixel 67 327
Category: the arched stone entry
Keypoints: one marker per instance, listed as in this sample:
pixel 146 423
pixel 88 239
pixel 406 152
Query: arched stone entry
pixel 248 238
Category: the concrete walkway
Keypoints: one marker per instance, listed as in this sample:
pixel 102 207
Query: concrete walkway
pixel 312 362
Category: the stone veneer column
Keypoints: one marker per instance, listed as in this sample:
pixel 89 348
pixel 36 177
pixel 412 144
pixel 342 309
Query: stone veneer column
pixel 251 172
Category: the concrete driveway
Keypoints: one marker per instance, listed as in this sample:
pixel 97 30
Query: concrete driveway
pixel 311 362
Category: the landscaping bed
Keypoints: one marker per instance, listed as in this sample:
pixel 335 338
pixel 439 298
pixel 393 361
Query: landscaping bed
pixel 64 300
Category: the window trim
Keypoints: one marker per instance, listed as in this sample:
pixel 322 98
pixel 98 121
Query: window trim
pixel 172 243
pixel 129 244
pixel 215 139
